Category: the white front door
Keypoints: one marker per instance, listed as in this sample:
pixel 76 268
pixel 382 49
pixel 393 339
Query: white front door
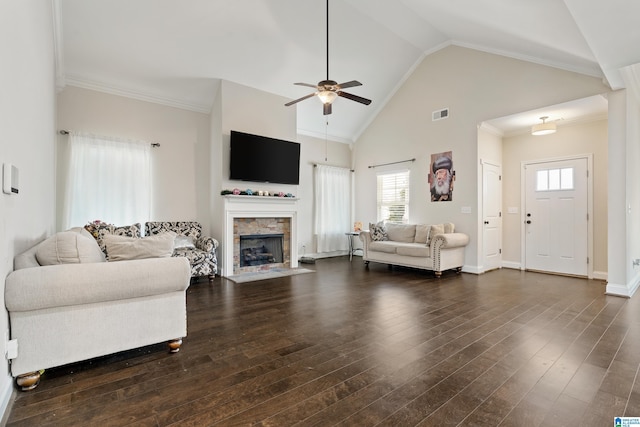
pixel 492 216
pixel 556 217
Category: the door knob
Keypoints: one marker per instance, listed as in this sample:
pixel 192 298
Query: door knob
pixel 528 221
pixel 486 222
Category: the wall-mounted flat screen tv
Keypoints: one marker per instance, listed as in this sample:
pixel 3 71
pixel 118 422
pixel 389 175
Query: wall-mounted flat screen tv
pixel 262 159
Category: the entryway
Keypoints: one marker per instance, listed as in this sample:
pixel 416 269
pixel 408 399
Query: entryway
pixel 556 211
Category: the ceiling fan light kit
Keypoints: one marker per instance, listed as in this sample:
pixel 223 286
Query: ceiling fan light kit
pixel 543 128
pixel 328 90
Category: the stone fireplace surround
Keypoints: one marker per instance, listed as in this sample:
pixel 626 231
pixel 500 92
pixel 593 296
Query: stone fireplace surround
pixel 257 207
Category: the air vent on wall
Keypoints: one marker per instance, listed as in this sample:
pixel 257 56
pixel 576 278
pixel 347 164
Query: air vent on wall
pixel 440 114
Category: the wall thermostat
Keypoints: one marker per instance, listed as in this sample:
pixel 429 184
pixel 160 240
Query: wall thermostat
pixel 9 179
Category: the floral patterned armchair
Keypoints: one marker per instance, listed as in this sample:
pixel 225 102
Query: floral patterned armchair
pixel 190 243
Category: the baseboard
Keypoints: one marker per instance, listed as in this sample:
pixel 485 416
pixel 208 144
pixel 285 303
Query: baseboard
pixel 625 291
pixel 511 264
pixel 473 269
pixel 6 397
pixel 600 275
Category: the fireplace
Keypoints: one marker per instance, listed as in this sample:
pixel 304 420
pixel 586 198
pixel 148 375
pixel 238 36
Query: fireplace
pixel 255 215
pixel 260 249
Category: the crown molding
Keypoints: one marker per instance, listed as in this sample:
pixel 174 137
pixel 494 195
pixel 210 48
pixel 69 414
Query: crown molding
pixel 84 83
pixel 490 129
pixel 592 72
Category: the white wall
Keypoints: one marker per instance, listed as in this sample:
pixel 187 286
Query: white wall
pixel 570 140
pixel 475 86
pixel 180 166
pixel 27 139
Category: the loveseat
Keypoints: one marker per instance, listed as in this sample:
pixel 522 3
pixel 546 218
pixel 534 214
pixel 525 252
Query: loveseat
pixel 431 247
pixel 66 303
pixel 200 250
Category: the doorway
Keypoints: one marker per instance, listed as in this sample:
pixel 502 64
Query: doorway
pixel 557 231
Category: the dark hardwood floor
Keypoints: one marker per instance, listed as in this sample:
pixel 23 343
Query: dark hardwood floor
pixel 352 346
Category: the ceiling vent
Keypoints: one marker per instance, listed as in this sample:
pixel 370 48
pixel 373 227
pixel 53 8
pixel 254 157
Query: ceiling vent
pixel 440 114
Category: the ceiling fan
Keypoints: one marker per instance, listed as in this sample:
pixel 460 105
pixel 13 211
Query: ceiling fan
pixel 328 90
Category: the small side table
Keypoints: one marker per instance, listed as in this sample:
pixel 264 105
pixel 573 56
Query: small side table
pixel 350 235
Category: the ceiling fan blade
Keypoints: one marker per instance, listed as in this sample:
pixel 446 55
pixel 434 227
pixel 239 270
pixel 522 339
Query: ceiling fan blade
pixel 306 84
pixel 352 97
pixel 326 109
pixel 352 83
pixel 300 99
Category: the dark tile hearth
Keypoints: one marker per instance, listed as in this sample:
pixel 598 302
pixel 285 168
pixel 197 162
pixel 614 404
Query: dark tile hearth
pixel 355 346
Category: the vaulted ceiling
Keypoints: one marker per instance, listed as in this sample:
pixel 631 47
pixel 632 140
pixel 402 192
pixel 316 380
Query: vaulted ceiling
pixel 175 52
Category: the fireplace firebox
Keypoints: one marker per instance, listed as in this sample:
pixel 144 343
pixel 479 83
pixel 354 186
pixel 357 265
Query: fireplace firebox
pixel 260 249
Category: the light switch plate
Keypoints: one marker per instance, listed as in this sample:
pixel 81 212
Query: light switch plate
pixel 465 209
pixel 9 179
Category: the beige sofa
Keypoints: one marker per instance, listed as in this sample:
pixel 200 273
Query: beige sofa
pixel 79 306
pixel 431 247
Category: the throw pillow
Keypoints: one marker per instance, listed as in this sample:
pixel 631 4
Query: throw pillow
pixel 433 231
pixel 99 229
pixel 378 231
pixel 422 233
pixel 184 242
pixel 120 248
pixel 449 227
pixel 68 247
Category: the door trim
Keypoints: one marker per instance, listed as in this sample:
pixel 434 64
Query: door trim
pixel 523 196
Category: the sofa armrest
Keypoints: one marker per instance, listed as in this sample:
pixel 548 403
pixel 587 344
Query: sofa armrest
pixel 206 243
pixel 365 237
pixel 450 240
pixel 75 284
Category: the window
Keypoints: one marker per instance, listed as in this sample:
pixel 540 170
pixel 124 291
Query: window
pixel 554 179
pixel 393 197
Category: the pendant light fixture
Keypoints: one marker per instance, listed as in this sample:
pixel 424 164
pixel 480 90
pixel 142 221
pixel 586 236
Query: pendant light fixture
pixel 543 128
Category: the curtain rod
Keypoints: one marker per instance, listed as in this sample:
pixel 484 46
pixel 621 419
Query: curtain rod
pixel 392 163
pixel 66 132
pixel 324 164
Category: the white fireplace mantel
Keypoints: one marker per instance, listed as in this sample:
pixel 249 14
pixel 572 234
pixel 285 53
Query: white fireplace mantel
pixel 256 207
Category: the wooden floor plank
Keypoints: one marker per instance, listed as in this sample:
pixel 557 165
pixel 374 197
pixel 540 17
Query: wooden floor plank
pixel 349 345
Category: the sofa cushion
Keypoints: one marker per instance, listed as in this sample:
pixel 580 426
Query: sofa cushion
pixel 401 232
pixel 422 233
pixel 449 227
pixel 413 249
pixel 120 248
pixel 378 232
pixel 68 247
pixel 386 246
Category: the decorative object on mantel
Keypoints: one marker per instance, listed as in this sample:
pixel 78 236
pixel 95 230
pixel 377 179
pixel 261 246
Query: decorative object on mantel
pixel 249 192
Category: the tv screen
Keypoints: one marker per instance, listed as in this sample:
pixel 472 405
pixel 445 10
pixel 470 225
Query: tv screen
pixel 262 159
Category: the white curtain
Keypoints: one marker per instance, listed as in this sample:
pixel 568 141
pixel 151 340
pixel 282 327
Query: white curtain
pixel 108 179
pixel 333 207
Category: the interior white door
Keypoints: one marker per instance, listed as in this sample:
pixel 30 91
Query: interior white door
pixel 556 217
pixel 492 216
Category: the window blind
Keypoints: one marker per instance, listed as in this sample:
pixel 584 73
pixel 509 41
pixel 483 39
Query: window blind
pixel 393 196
